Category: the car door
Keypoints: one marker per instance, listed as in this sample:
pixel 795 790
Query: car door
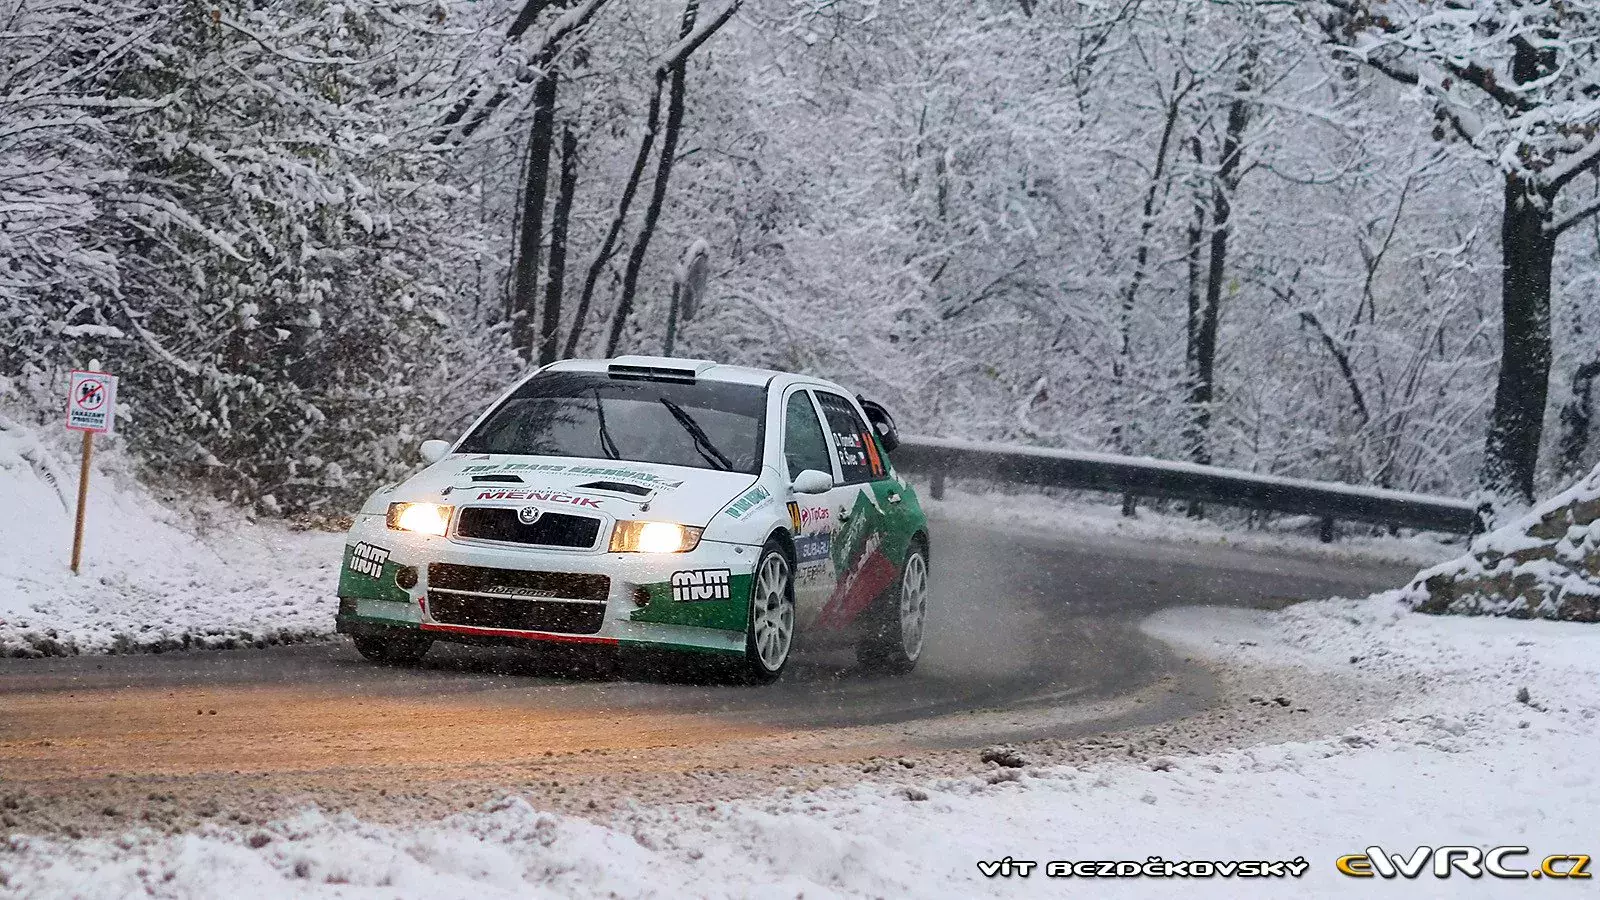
pixel 862 506
pixel 805 446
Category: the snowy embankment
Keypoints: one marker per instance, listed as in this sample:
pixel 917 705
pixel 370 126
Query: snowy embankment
pixel 1491 743
pixel 1545 565
pixel 152 578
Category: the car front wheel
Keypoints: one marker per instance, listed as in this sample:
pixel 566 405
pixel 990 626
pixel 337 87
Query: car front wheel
pixel 772 616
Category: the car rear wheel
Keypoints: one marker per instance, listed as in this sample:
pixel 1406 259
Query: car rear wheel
pixel 894 642
pixel 772 616
pixel 393 650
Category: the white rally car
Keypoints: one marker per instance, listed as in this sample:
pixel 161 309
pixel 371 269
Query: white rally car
pixel 647 501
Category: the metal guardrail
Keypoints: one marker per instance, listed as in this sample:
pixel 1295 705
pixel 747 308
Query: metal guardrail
pixel 1134 477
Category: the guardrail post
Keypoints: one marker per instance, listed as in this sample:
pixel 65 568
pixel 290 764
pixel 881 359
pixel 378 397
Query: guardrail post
pixel 937 488
pixel 1327 529
pixel 1482 519
pixel 1130 504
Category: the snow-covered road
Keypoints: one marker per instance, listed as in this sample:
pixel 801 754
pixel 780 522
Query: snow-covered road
pixel 1320 730
pixel 1485 737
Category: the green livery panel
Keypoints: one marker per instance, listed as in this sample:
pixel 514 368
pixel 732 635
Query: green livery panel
pixel 893 523
pixel 368 574
pixel 705 598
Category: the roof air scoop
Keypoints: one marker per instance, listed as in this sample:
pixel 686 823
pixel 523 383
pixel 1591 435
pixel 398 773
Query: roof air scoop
pixel 658 368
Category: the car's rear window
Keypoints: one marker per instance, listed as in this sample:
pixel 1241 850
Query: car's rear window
pixel 707 425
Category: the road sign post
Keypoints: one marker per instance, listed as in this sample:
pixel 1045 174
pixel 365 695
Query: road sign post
pixel 91 409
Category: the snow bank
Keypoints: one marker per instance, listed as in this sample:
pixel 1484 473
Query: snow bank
pixel 153 578
pixel 1459 759
pixel 1543 565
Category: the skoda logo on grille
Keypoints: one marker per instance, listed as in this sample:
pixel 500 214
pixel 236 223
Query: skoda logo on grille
pixel 529 515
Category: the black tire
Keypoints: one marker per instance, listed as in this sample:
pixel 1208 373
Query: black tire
pixel 392 650
pixel 769 634
pixel 893 641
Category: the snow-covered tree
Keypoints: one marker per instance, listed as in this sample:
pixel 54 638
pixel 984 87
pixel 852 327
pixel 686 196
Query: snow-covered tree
pixel 1513 83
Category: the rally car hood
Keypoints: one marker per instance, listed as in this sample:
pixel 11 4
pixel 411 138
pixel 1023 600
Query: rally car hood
pixel 620 488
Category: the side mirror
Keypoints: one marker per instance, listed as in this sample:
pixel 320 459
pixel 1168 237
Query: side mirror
pixel 433 451
pixel 812 481
pixel 882 422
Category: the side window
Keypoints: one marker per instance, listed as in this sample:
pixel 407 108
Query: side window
pixel 804 446
pixel 852 440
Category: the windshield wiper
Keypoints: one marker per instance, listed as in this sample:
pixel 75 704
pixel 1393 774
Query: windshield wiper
pixel 702 441
pixel 606 443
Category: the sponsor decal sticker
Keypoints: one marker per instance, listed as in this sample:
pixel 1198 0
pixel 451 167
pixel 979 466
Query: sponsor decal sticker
pixel 751 499
pixel 853 532
pixel 811 576
pixel 873 460
pixel 646 478
pixel 546 496
pixel 794 516
pixel 814 515
pixel 701 584
pixel 515 591
pixel 811 549
pixel 368 560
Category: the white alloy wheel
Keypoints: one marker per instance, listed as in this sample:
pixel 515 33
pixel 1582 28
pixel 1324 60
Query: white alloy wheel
pixel 913 605
pixel 898 621
pixel 772 614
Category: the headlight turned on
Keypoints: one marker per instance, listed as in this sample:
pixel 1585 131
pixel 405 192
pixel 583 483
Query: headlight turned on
pixel 422 518
pixel 653 537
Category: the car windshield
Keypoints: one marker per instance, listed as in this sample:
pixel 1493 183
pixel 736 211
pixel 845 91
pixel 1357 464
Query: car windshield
pixel 706 425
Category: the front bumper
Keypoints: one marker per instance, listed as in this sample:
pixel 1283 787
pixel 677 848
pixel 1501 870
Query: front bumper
pixel 696 601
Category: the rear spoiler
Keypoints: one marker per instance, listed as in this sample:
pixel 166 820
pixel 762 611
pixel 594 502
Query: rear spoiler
pixel 888 434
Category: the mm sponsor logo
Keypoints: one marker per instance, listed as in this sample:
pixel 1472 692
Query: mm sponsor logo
pixel 545 496
pixel 750 500
pixel 1473 862
pixel 811 548
pixel 814 515
pixel 365 559
pixel 701 584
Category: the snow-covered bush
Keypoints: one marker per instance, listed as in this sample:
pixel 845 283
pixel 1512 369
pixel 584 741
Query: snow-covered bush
pixel 281 251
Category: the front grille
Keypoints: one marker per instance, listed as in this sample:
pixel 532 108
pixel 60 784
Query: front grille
pixel 551 529
pixel 562 602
